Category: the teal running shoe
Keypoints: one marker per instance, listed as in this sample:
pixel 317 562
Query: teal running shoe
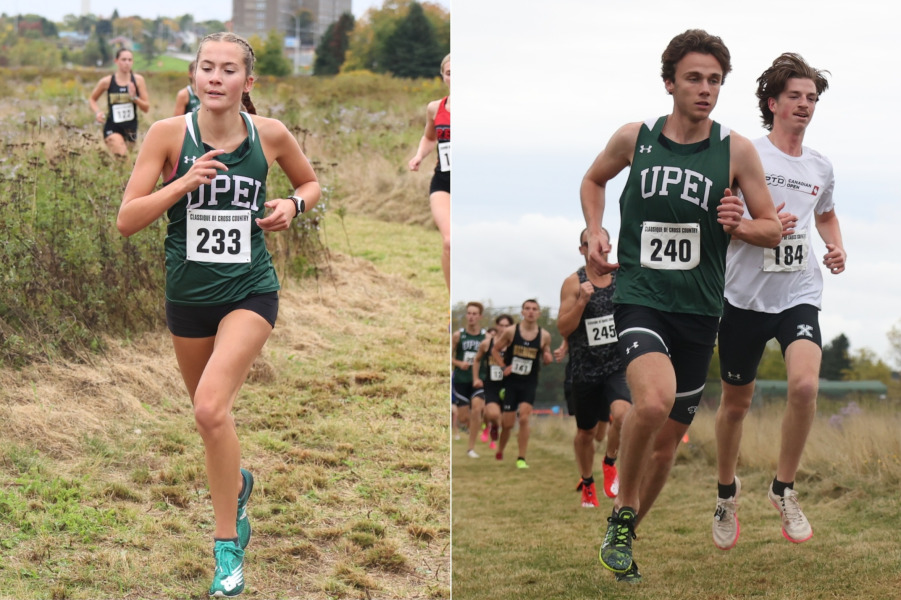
pixel 243 522
pixel 228 581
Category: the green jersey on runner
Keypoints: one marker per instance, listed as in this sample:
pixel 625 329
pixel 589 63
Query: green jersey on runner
pixel 215 251
pixel 672 251
pixel 193 100
pixel 465 350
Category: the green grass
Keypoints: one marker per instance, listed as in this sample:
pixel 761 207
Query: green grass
pixel 543 545
pixel 160 64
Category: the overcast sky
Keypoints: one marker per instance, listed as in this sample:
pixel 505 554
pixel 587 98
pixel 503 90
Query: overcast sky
pixel 538 95
pixel 220 10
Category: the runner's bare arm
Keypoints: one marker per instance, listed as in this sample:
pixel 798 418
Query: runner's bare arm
pixel 764 227
pixel 142 97
pixel 141 206
pixel 615 157
pixel 429 138
pixel 831 233
pixel 572 305
pixel 280 145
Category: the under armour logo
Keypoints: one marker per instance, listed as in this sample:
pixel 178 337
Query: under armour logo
pixel 645 149
pixel 805 330
pixel 692 410
pixel 629 348
pixel 190 159
pixel 734 376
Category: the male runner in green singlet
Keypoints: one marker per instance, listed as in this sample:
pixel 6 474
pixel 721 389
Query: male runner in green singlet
pixel 678 212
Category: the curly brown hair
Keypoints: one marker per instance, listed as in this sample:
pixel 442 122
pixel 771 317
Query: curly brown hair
pixel 772 82
pixel 694 40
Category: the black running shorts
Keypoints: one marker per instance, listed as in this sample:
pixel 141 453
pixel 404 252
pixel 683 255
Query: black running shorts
pixel 203 321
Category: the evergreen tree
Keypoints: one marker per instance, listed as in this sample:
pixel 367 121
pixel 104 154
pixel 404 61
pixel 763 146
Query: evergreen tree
pixel 333 46
pixel 413 49
pixel 96 52
pixel 148 47
pixel 836 359
pixel 271 60
pixel 104 27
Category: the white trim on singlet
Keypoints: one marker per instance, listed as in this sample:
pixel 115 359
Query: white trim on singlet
pixel 190 123
pixel 252 130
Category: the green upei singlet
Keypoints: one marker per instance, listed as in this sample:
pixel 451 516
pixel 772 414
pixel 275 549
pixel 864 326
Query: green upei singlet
pixel 193 100
pixel 466 349
pixel 672 252
pixel 215 252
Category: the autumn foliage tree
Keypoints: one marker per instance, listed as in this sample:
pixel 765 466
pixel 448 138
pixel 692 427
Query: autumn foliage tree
pixel 332 47
pixel 371 42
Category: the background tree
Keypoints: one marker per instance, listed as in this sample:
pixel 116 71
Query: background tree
pixel 130 27
pixel 836 359
pixel 104 27
pixel 96 52
pixel 370 37
pixel 772 364
pixel 333 46
pixel 186 22
pixel 32 53
pixel 894 340
pixel 865 365
pixel 208 27
pixel 148 41
pixel 412 50
pixel 271 59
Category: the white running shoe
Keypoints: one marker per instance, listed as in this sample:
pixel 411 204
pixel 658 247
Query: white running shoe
pixel 795 527
pixel 472 454
pixel 725 520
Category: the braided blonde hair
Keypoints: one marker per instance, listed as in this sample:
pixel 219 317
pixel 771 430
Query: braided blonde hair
pixel 249 59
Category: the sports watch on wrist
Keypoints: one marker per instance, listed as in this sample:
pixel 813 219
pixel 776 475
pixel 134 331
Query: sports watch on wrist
pixel 298 205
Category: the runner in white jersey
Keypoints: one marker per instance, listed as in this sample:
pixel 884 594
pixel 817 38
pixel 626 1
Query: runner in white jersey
pixel 776 293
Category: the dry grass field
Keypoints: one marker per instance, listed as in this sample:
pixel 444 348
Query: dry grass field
pixel 523 534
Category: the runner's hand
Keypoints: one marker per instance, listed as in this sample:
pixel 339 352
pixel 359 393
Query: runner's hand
pixel 281 216
pixel 586 289
pixel 788 220
pixel 204 170
pixel 835 259
pixel 730 211
pixel 598 248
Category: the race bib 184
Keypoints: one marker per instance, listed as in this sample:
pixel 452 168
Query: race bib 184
pixel 789 255
pixel 219 236
pixel 670 246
